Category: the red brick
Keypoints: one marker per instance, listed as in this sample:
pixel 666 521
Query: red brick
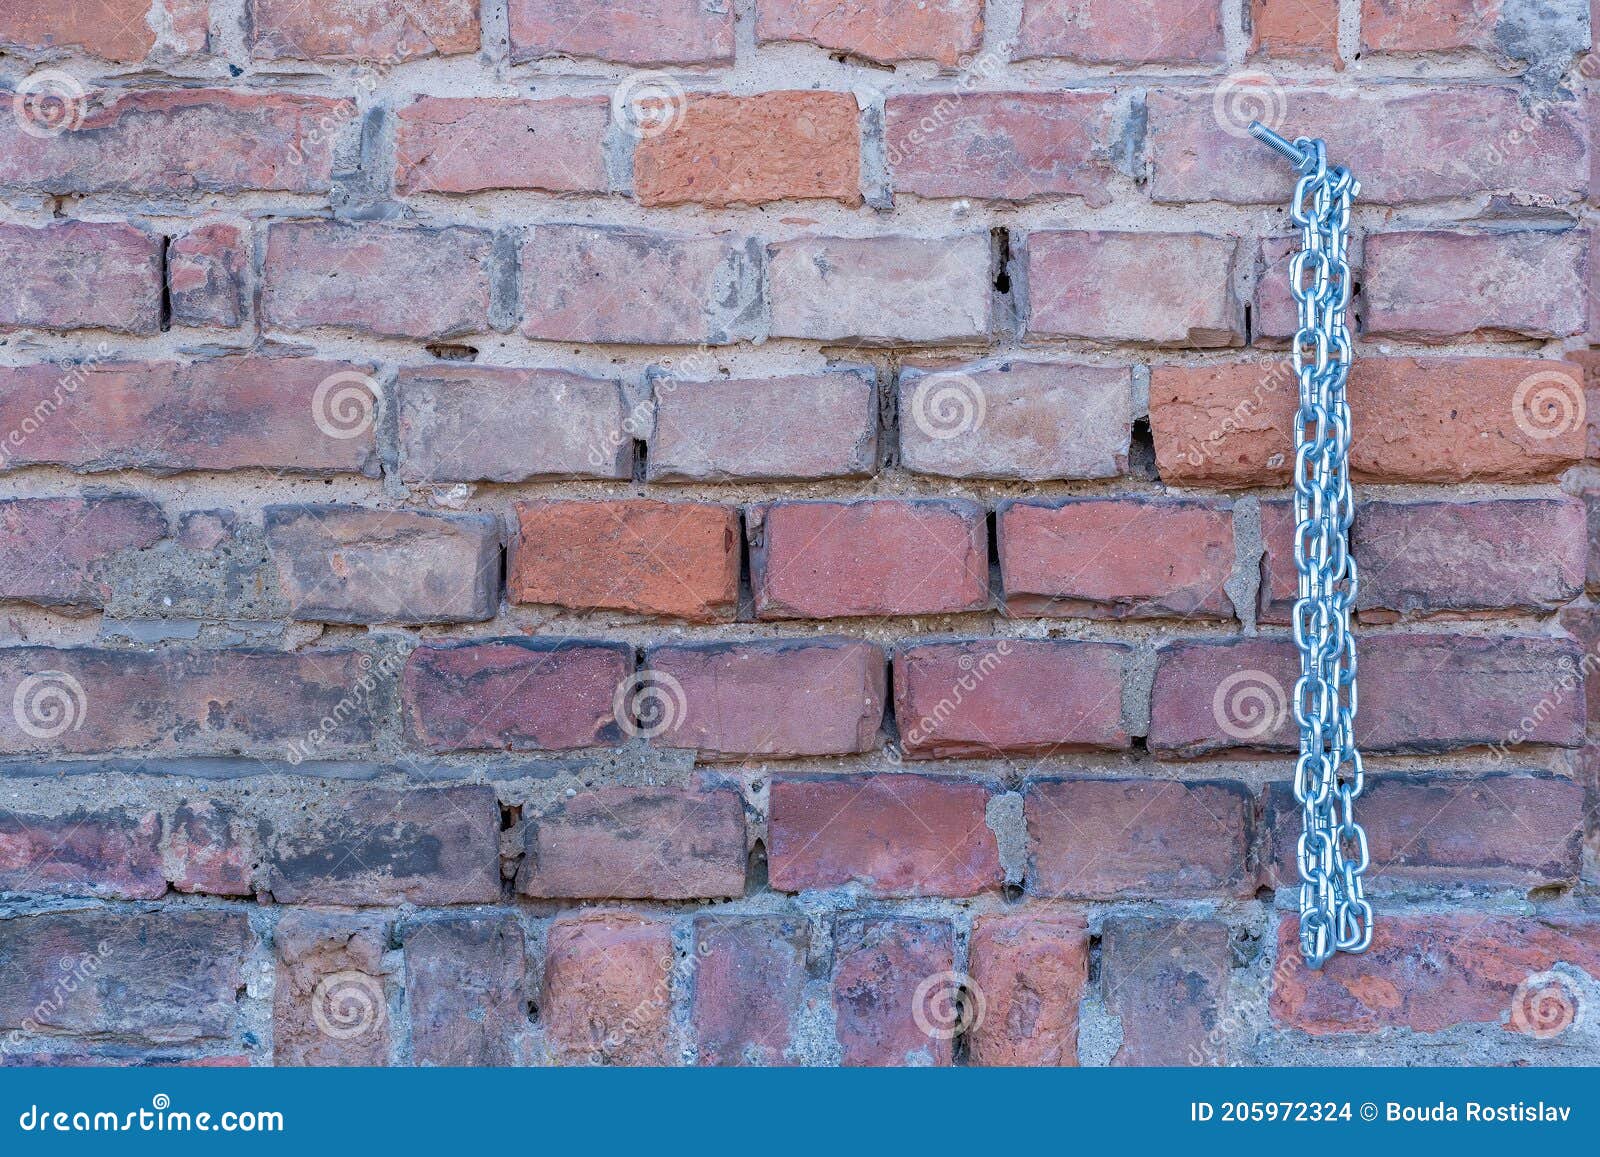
pixel 1097 286
pixel 549 424
pixel 879 30
pixel 466 989
pixel 294 415
pixel 206 275
pixel 1428 972
pixel 210 847
pixel 81 275
pixel 183 699
pixel 868 557
pixel 1295 30
pixel 887 290
pixel 1441 419
pixel 1214 695
pixel 1583 624
pixel 644 843
pixel 889 973
pixel 610 283
pixel 1501 285
pixel 822 425
pixel 377 845
pixel 1030 969
pixel 330 1002
pixel 348 564
pixel 646 32
pixel 1508 831
pixel 789 697
pixel 748 150
pixel 175 141
pixel 890 835
pixel 1429 25
pixel 1392 140
pixel 1166 982
pixel 1126 32
pixel 1009 696
pixel 365 277
pixel 469 144
pixel 111 854
pixel 1018 420
pixel 387 31
pixel 1110 839
pixel 119 30
pixel 516 694
pixel 1276 315
pixel 1116 558
pixel 169 976
pixel 54 551
pixel 608 990
pixel 679 559
pixel 749 982
pixel 1280 579
pixel 1003 146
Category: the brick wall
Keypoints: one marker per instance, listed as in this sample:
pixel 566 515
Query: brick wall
pixel 725 531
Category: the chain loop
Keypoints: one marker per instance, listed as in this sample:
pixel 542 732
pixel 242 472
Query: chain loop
pixel 1335 915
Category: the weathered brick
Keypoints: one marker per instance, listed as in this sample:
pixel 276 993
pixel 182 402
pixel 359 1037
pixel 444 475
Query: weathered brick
pixel 609 283
pixel 1510 831
pixel 749 982
pixel 165 976
pixel 1295 30
pixel 1212 695
pixel 1428 972
pixel 1122 32
pixel 1166 981
pixel 1429 25
pixel 1393 139
pixel 174 141
pixel 330 1003
pixel 109 853
pixel 892 983
pixel 1276 314
pixel 1017 420
pixel 348 564
pixel 119 30
pixel 295 415
pixel 388 31
pixel 365 278
pixel 890 835
pixel 206 275
pixel 211 847
pixel 87 699
pixel 54 551
pixel 679 559
pixel 375 845
pixel 1109 839
pixel 786 697
pixel 1500 285
pixel 1030 969
pixel 646 32
pixel 644 843
pixel 886 290
pixel 821 425
pixel 607 995
pixel 548 424
pixel 748 150
pixel 879 30
pixel 466 988
pixel 517 694
pixel 81 275
pixel 469 144
pixel 1097 286
pixel 1583 624
pixel 868 557
pixel 1443 419
pixel 1116 558
pixel 1003 146
pixel 1009 696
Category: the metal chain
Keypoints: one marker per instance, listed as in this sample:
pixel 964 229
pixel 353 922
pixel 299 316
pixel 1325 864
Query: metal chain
pixel 1334 914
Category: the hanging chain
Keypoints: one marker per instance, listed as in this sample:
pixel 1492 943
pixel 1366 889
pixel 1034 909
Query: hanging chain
pixel 1334 914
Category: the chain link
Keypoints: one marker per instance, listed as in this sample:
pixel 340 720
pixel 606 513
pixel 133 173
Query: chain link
pixel 1335 916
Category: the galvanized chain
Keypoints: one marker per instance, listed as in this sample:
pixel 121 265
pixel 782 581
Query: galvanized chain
pixel 1334 914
